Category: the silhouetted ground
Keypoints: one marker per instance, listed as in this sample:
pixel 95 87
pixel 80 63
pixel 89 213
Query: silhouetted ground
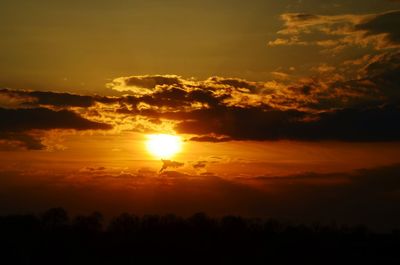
pixel 54 238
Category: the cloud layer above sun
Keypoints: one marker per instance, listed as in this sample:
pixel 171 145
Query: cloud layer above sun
pixel 325 107
pixel 356 99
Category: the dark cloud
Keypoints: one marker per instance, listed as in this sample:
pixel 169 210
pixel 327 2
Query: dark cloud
pixel 169 164
pixel 352 124
pixel 93 169
pixel 152 81
pixel 186 92
pixel 53 99
pixel 210 138
pixel 20 140
pixel 364 196
pixel 175 97
pixel 37 98
pixel 61 99
pixel 200 164
pixel 44 119
pixel 340 31
pixel 326 108
pixel 374 81
pixel 384 73
pixel 238 123
pixel 17 124
pixel 386 23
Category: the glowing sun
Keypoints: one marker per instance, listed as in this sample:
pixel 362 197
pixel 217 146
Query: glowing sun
pixel 163 145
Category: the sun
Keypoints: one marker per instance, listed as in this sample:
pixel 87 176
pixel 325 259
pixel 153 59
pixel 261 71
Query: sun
pixel 163 146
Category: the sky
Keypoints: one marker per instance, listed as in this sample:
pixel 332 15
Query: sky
pixel 282 108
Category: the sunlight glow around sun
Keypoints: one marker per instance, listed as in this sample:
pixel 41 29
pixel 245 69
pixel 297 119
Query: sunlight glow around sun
pixel 163 146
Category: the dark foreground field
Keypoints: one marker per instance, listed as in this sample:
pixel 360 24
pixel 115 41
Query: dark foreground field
pixel 54 238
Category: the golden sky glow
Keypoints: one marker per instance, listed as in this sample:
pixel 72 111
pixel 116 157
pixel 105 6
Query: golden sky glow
pixel 239 102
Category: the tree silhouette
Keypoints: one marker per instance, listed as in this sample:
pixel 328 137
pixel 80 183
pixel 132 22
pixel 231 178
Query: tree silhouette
pixel 54 238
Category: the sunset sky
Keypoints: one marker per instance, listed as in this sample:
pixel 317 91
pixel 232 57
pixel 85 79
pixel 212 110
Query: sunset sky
pixel 260 108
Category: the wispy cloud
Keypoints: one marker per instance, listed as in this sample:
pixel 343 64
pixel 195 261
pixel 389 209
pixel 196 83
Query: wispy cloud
pixel 336 32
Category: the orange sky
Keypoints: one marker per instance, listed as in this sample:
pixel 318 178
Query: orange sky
pixel 286 108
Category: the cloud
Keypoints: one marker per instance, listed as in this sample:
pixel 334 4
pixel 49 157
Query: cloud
pixel 330 106
pixel 367 196
pixel 334 103
pixel 20 124
pixel 40 98
pixel 363 196
pixel 61 99
pixel 386 24
pixel 325 108
pixel 199 165
pixel 384 71
pixel 210 138
pixel 93 169
pixel 369 124
pixel 13 98
pixel 339 31
pixel 170 163
pixel 142 85
pixel 10 141
pixel 236 83
pixel 15 120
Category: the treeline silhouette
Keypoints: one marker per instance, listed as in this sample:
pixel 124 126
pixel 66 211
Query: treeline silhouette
pixel 55 238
